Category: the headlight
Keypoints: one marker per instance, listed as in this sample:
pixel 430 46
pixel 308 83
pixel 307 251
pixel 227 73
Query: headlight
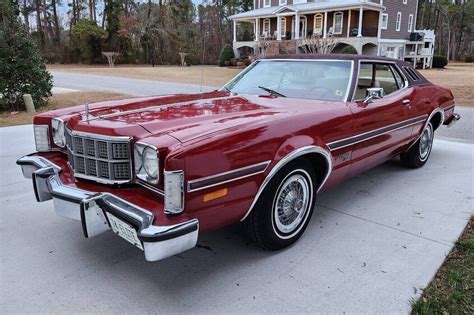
pixel 42 138
pixel 147 164
pixel 174 192
pixel 59 138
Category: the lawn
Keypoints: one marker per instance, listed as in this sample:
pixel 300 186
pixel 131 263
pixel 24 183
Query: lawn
pixel 59 101
pixel 452 289
pixel 459 77
pixel 211 75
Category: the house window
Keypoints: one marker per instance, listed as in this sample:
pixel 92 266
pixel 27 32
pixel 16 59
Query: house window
pixel 410 22
pixel 267 3
pixel 299 1
pixel 282 2
pixel 318 24
pixel 283 27
pixel 384 21
pixel 405 1
pixel 337 24
pixel 266 27
pixel 399 21
pixel 303 26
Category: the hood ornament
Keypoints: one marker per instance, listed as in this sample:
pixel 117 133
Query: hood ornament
pixel 86 112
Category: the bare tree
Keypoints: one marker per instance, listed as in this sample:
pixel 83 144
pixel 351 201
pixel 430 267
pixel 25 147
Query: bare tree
pixel 317 44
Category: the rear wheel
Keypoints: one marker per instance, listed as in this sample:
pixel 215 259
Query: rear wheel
pixel 284 209
pixel 419 153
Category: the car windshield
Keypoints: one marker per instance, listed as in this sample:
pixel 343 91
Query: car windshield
pixel 308 79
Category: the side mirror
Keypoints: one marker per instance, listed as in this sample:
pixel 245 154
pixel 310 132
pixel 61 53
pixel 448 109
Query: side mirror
pixel 374 93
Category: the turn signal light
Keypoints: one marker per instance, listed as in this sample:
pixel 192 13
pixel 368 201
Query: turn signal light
pixel 215 194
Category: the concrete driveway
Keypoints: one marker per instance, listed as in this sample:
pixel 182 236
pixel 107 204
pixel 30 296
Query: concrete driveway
pixel 371 245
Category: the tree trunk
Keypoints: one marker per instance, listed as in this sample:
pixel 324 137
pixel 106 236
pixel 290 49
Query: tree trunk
pixel 38 23
pixel 26 14
pixel 57 32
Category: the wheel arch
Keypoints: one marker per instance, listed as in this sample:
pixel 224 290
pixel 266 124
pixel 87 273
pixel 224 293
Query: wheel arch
pixel 316 155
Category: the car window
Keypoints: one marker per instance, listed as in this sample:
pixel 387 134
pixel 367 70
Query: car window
pixel 381 75
pixel 312 79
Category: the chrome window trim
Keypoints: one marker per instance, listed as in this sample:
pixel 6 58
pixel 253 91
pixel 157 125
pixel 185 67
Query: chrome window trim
pixel 405 86
pixel 194 181
pixel 349 84
pixel 285 160
pixel 417 120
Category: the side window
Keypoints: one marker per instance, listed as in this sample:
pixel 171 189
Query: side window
pixel 385 79
pixel 372 75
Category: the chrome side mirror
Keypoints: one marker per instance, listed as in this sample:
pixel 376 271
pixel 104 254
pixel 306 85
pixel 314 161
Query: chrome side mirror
pixel 374 93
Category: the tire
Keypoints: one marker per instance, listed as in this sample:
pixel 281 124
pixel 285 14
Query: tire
pixel 278 219
pixel 419 153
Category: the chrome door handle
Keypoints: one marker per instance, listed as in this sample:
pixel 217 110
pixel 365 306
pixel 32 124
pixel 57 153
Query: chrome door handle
pixel 406 102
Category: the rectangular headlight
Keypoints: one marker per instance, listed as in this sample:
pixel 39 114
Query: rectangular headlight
pixel 42 138
pixel 147 163
pixel 174 191
pixel 59 137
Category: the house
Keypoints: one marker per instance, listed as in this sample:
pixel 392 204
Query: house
pixel 372 27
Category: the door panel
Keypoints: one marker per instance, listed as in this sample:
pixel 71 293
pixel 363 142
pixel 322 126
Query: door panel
pixel 383 126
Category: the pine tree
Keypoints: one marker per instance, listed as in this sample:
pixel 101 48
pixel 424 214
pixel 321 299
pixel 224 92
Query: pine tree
pixel 22 70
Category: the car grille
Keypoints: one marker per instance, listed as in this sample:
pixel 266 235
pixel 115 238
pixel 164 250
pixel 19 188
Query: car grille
pixel 101 158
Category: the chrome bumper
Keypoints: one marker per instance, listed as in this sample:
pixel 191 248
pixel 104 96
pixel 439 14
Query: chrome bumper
pixel 453 119
pixel 158 242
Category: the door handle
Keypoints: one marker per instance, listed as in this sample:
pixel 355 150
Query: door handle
pixel 406 102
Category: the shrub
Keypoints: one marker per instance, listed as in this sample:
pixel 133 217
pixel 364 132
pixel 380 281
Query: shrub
pixel 349 50
pixel 227 53
pixel 469 58
pixel 439 61
pixel 22 70
pixel 247 62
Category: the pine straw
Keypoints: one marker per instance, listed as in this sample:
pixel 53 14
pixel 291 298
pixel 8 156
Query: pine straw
pixel 59 101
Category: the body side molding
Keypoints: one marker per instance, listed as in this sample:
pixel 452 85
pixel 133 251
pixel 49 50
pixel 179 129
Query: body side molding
pixel 285 160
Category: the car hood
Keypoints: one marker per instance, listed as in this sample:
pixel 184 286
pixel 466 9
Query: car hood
pixel 183 117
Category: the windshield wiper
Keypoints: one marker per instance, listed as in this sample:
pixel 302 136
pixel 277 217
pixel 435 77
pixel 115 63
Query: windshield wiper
pixel 272 92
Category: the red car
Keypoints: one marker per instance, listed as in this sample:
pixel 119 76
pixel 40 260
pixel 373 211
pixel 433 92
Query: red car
pixel 159 170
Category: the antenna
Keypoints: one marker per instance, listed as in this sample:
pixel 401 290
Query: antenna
pixel 202 60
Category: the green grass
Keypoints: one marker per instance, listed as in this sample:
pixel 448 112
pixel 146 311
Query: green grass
pixel 452 289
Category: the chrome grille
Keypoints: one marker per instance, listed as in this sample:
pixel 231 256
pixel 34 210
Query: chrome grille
pixel 101 158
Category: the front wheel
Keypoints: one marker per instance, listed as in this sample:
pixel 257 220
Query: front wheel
pixel 284 209
pixel 419 153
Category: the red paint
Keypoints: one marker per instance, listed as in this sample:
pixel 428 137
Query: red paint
pixel 210 133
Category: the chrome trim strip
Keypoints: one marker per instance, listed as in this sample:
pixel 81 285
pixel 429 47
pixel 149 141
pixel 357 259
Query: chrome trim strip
pixel 449 108
pixel 179 209
pixel 403 124
pixel 214 179
pixel 96 136
pixel 285 160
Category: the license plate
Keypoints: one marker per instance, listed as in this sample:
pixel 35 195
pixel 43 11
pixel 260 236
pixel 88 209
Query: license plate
pixel 124 230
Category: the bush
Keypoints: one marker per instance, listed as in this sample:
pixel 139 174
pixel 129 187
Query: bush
pixel 439 61
pixel 469 58
pixel 247 62
pixel 22 70
pixel 227 53
pixel 349 50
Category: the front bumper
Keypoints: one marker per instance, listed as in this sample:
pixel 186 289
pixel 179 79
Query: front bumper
pixel 158 242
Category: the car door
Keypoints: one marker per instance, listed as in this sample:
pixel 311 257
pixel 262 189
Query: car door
pixel 381 126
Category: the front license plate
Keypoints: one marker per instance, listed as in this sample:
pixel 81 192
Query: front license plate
pixel 124 230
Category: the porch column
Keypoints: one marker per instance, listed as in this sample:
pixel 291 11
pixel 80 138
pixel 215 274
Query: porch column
pixel 257 29
pixel 278 27
pixel 325 28
pixel 235 31
pixel 297 26
pixel 349 24
pixel 361 16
